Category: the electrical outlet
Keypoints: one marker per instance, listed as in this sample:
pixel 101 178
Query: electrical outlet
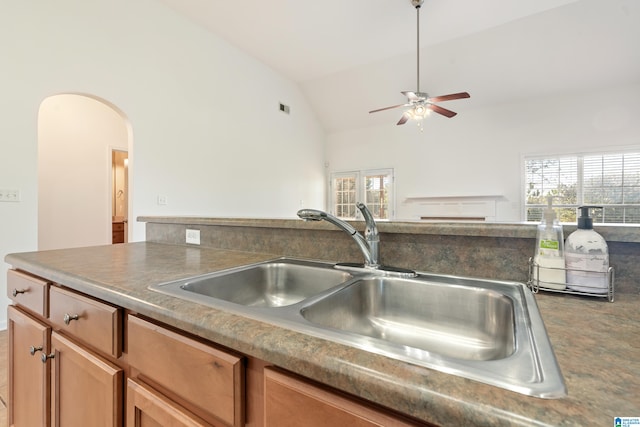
pixel 9 195
pixel 193 237
pixel 162 200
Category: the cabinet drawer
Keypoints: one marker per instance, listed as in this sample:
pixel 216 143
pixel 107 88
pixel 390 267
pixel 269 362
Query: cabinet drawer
pixel 28 291
pixel 204 379
pixel 290 401
pixel 93 322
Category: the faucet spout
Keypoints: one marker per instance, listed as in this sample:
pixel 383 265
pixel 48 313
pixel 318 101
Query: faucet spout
pixel 368 244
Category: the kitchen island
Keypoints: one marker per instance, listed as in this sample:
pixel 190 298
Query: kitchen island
pixel 595 341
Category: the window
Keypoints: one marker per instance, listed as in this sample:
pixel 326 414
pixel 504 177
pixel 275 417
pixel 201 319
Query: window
pixel 371 187
pixel 610 180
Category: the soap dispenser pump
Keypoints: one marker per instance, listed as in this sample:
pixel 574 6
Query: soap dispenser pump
pixel 587 256
pixel 549 259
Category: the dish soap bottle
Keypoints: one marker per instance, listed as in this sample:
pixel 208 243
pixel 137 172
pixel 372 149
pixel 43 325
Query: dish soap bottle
pixel 587 257
pixel 549 259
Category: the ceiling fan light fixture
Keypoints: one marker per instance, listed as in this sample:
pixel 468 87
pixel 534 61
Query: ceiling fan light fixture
pixel 419 112
pixel 420 103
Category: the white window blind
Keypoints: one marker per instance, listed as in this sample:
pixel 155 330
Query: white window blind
pixel 610 180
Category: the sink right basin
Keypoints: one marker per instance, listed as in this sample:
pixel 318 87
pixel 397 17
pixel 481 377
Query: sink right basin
pixel 453 321
pixel 486 330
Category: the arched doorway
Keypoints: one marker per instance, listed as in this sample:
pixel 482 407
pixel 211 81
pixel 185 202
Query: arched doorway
pixel 77 135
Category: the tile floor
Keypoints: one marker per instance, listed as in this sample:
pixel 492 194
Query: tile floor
pixel 3 377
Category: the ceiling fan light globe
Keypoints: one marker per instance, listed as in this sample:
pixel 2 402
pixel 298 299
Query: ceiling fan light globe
pixel 419 112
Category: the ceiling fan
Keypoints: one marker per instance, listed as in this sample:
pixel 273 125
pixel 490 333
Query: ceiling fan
pixel 420 102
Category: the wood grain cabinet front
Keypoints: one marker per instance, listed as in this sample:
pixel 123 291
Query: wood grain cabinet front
pixel 86 389
pixel 93 322
pixel 28 291
pixel 29 378
pixel 148 408
pixel 291 401
pixel 63 354
pixel 206 380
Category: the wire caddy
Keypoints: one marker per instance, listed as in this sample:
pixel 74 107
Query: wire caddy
pixel 533 282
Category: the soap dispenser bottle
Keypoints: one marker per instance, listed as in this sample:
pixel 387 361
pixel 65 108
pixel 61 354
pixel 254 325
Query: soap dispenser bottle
pixel 549 259
pixel 587 256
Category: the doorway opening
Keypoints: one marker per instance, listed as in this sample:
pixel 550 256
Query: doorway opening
pixel 77 135
pixel 119 195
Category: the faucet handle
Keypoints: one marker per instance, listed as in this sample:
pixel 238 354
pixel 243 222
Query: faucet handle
pixel 372 229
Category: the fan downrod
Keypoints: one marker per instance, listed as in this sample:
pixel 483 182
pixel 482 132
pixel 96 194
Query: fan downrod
pixel 418 101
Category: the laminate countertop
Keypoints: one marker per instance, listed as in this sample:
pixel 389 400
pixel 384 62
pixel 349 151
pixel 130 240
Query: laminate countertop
pixel 596 342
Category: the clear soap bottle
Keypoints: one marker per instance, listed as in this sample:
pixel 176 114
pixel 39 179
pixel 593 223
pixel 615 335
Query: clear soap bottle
pixel 549 260
pixel 587 256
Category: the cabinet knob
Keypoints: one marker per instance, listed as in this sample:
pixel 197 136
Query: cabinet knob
pixel 46 357
pixel 19 291
pixel 69 317
pixel 33 350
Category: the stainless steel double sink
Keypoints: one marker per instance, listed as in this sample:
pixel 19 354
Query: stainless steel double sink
pixel 485 330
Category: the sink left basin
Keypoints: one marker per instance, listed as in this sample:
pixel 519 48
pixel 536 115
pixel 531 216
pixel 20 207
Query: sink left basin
pixel 276 283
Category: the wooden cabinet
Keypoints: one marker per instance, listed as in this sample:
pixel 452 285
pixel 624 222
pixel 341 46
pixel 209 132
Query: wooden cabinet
pixel 204 379
pixel 148 408
pixel 117 232
pixel 93 322
pixel 290 401
pixel 29 378
pixel 28 291
pixel 86 390
pixel 68 359
pixel 56 378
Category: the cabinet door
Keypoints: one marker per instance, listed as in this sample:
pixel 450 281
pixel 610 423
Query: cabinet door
pixel 29 379
pixel 291 402
pixel 86 390
pixel 148 408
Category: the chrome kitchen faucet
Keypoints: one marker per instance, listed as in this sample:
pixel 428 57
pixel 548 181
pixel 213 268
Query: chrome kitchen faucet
pixel 367 244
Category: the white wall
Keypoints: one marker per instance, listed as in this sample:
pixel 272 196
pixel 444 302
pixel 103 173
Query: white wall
pixel 479 152
pixel 207 132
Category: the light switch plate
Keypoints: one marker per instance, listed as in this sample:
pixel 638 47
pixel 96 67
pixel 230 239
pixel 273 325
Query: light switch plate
pixel 9 195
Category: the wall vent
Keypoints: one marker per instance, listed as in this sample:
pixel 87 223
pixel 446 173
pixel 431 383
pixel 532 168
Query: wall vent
pixel 284 108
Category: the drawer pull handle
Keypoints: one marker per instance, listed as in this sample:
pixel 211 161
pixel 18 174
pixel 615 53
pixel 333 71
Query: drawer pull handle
pixel 46 357
pixel 19 291
pixel 69 317
pixel 33 350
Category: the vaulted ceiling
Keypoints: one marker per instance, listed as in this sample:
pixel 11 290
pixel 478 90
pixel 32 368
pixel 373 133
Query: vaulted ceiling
pixel 352 56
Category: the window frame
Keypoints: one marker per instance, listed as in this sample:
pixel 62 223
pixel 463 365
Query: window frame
pixel 361 192
pixel 580 187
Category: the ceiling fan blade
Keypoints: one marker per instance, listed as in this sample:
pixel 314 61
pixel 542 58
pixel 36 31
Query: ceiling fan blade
pixel 450 97
pixel 411 95
pixel 387 108
pixel 405 117
pixel 440 110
